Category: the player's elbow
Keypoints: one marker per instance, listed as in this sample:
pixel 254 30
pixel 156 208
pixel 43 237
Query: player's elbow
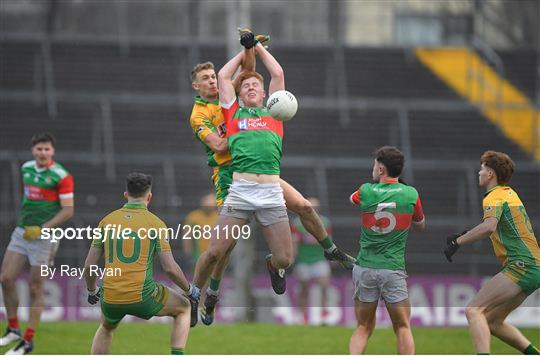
pixel 419 226
pixel 490 225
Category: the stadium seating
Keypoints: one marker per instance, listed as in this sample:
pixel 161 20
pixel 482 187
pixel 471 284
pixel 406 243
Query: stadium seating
pixel 159 131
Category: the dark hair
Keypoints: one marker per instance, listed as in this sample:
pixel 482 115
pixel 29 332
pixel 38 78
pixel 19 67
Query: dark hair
pixel 43 137
pixel 392 158
pixel 501 163
pixel 138 184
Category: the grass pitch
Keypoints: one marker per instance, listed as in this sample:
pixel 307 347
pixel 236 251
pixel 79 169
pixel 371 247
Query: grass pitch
pixel 151 338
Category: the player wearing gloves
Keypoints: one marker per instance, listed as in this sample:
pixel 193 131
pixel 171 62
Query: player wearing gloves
pixel 208 127
pixel 47 203
pixel 131 289
pixel 507 224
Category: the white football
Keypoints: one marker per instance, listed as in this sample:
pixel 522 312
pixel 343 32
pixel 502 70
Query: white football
pixel 282 105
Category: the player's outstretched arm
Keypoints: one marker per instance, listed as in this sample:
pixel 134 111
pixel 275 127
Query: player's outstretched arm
pixel 483 230
pixel 274 68
pixel 173 270
pixel 226 88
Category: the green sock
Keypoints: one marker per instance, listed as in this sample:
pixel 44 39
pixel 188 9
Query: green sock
pixel 177 351
pixel 531 350
pixel 483 353
pixel 214 284
pixel 327 243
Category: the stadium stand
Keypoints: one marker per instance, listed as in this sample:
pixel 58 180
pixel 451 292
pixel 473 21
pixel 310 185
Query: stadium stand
pixel 85 74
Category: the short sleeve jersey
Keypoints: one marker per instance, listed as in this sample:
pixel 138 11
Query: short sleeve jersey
pixel 387 210
pixel 309 250
pixel 207 118
pixel 43 190
pixel 514 239
pixel 134 255
pixel 255 139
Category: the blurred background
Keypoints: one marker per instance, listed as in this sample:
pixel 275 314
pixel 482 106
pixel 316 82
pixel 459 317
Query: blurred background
pixel 442 80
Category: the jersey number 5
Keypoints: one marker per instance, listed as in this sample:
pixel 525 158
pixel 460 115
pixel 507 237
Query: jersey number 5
pixel 380 214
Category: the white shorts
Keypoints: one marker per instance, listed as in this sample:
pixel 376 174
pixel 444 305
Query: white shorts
pixel 371 284
pixel 308 271
pixel 265 201
pixel 37 251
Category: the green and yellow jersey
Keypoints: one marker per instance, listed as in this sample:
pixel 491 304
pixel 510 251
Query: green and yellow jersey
pixel 133 255
pixel 514 239
pixel 207 118
pixel 198 219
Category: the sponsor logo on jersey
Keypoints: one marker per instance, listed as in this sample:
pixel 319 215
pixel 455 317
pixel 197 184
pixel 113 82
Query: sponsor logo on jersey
pixel 252 124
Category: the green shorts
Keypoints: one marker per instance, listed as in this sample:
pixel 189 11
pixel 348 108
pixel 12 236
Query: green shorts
pixel 222 179
pixel 146 309
pixel 527 277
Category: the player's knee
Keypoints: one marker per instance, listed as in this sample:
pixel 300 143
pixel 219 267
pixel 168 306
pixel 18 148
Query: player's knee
pixel 472 312
pixel 7 280
pixel 302 206
pixel 401 324
pixel 494 326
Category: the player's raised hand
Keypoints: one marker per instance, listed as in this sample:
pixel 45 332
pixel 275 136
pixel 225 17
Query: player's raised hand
pixel 248 40
pixel 452 245
pixel 93 296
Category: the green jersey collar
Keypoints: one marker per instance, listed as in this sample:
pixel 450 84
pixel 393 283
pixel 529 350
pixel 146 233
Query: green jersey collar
pixel 135 205
pixel 200 100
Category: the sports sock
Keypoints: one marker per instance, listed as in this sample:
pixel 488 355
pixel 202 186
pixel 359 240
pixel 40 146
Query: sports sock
pixel 328 244
pixel 531 350
pixel 29 334
pixel 483 353
pixel 213 286
pixel 13 323
pixel 177 351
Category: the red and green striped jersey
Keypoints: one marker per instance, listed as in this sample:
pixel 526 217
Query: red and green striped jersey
pixel 43 189
pixel 387 210
pixel 514 239
pixel 309 250
pixel 254 138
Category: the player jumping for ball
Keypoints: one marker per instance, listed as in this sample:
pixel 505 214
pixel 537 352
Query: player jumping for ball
pixel 507 224
pixel 209 128
pixel 389 209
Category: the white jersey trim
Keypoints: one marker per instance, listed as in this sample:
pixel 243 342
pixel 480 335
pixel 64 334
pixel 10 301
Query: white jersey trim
pixel 65 196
